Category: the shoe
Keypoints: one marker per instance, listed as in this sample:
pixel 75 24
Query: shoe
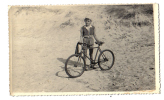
pixel 92 66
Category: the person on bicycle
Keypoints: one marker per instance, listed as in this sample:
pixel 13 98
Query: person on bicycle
pixel 87 36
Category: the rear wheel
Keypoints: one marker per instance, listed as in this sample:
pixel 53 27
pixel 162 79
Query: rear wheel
pixel 106 60
pixel 75 66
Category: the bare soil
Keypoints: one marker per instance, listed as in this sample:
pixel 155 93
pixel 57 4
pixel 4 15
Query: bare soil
pixel 44 37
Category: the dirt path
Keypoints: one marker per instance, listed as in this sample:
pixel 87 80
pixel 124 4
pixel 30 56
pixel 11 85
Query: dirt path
pixel 44 37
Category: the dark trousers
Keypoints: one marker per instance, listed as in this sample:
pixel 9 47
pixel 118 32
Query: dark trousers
pixel 90 53
pixel 90 42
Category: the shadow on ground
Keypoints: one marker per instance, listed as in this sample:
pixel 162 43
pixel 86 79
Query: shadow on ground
pixel 62 72
pixel 62 60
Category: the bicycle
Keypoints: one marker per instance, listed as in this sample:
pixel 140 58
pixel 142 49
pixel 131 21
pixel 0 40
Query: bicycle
pixel 75 65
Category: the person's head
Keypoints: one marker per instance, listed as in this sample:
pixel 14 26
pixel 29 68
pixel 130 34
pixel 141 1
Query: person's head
pixel 87 21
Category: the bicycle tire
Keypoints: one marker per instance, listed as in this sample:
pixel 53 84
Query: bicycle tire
pixel 71 62
pixel 100 61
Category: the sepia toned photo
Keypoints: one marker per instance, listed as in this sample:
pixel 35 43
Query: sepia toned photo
pixel 84 49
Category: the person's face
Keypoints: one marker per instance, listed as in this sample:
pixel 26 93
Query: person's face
pixel 88 22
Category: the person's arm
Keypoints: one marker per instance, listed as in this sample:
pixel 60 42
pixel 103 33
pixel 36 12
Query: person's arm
pixel 95 36
pixel 81 35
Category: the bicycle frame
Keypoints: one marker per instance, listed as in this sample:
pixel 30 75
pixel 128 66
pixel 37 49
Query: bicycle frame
pixel 93 61
pixel 74 63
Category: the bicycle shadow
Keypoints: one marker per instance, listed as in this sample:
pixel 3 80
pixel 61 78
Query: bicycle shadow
pixel 62 73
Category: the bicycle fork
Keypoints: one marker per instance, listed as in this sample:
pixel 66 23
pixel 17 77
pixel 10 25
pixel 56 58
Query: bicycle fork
pixel 79 60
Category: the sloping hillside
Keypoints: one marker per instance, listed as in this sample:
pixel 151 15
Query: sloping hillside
pixel 44 37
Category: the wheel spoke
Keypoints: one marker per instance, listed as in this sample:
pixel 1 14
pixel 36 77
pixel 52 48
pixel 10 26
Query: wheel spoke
pixel 106 60
pixel 75 66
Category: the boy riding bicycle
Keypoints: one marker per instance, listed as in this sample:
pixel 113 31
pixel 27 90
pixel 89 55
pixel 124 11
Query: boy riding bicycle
pixel 87 36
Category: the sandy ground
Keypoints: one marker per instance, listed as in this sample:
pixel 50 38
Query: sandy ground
pixel 44 37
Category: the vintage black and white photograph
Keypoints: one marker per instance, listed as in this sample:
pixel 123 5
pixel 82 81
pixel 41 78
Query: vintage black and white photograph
pixel 84 49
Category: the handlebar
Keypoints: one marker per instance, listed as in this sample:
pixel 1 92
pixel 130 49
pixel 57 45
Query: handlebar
pixel 99 43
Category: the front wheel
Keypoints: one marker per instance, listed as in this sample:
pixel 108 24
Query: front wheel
pixel 75 66
pixel 106 60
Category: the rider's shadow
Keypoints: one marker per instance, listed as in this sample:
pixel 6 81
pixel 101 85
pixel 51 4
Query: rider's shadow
pixel 62 73
pixel 62 60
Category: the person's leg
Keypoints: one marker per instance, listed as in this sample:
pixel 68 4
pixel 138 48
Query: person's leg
pixel 91 43
pixel 85 52
pixel 91 56
pixel 85 49
pixel 91 53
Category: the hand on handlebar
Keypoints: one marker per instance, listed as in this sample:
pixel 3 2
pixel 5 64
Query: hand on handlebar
pixel 82 43
pixel 99 42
